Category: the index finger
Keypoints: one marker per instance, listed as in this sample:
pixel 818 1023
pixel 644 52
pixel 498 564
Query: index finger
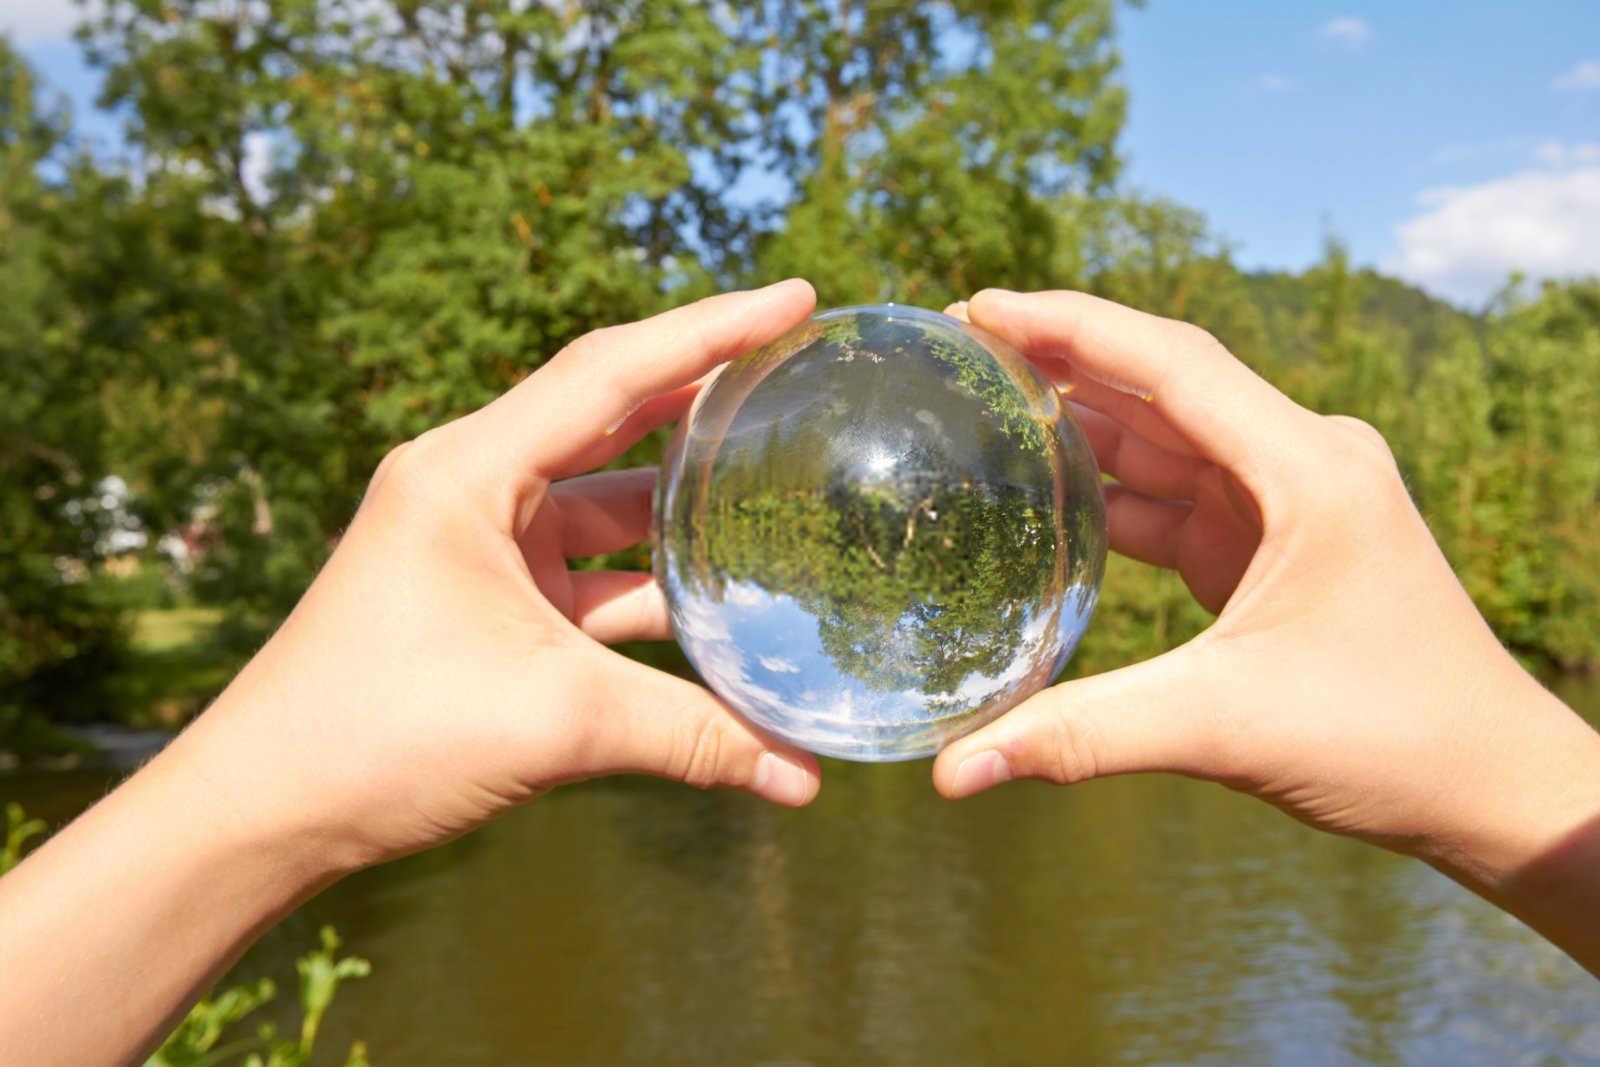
pixel 1219 405
pixel 549 422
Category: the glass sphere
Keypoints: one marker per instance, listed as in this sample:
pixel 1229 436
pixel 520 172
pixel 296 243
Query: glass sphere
pixel 879 532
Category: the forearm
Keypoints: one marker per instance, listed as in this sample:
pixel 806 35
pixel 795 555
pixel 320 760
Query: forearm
pixel 111 929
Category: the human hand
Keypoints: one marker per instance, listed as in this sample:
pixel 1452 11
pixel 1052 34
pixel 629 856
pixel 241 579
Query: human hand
pixel 446 664
pixel 1348 679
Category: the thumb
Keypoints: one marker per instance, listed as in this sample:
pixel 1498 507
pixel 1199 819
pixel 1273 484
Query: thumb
pixel 666 726
pixel 1154 716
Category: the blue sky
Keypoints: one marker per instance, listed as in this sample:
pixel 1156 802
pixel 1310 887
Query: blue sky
pixel 1449 143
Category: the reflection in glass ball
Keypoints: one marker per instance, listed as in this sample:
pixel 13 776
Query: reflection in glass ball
pixel 879 532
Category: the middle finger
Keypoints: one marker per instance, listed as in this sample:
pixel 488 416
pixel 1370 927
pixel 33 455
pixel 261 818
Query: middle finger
pixel 1136 462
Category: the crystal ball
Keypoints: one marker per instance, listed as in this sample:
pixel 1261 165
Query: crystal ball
pixel 879 532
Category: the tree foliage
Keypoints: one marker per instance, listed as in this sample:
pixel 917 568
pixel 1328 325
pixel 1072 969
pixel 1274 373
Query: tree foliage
pixel 934 149
pixel 340 222
pixel 57 636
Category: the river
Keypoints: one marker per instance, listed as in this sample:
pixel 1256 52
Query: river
pixel 1141 920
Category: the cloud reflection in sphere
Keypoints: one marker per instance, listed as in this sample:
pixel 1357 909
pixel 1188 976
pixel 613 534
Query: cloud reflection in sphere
pixel 879 532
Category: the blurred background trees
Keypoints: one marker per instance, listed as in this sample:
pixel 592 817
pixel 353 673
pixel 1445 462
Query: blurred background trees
pixel 334 223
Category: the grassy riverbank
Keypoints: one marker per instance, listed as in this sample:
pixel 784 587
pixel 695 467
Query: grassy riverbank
pixel 177 661
pixel 172 662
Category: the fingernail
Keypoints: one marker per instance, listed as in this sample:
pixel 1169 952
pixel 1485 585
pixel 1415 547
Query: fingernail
pixel 957 310
pixel 979 772
pixel 782 782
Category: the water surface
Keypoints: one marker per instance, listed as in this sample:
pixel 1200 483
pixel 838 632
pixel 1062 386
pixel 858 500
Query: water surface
pixel 1148 920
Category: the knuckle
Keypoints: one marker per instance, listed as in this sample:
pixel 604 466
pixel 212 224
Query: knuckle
pixel 1072 746
pixel 698 761
pixel 387 463
pixel 588 346
pixel 417 457
pixel 1364 454
pixel 599 356
pixel 1190 341
pixel 1364 433
pixel 414 468
pixel 1357 478
pixel 1192 336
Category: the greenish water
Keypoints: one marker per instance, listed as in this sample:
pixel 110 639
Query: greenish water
pixel 1141 920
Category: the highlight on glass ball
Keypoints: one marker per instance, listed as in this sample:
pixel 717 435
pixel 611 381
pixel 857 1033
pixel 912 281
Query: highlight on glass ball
pixel 879 532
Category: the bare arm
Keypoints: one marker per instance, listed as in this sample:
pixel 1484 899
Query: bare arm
pixel 445 666
pixel 1348 678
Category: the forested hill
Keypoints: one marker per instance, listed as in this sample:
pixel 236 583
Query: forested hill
pixel 1288 302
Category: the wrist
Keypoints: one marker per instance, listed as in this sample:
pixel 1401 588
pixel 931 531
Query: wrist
pixel 1535 786
pixel 247 797
pixel 1550 879
pixel 235 816
pixel 1528 838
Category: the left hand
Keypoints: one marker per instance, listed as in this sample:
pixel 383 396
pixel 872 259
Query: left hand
pixel 446 665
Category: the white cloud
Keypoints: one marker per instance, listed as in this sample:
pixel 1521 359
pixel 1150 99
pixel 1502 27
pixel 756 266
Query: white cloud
pixel 1350 30
pixel 40 21
pixel 1584 74
pixel 744 594
pixel 1470 238
pixel 1561 154
pixel 1274 83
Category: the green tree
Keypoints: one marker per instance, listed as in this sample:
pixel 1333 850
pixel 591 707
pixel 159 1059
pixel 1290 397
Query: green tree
pixel 345 221
pixel 1160 257
pixel 382 215
pixel 365 218
pixel 936 148
pixel 60 633
pixel 1540 583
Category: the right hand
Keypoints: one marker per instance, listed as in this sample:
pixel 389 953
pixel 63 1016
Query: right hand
pixel 1348 678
